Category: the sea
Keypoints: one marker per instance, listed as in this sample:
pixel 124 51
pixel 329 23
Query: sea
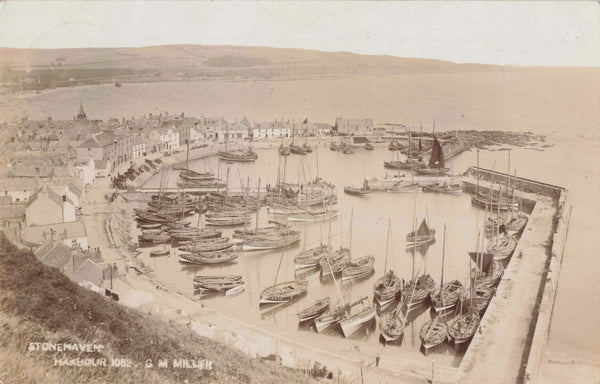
pixel 561 104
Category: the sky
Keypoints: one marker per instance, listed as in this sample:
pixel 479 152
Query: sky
pixel 551 33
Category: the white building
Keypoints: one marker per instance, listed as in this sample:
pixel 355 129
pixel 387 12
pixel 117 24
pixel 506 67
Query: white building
pixel 138 147
pixel 18 188
pixel 168 136
pixel 48 207
pixel 268 130
pixel 87 171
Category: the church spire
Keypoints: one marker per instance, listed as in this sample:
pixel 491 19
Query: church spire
pixel 81 115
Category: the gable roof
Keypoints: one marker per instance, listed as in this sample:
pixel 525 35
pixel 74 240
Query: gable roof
pixel 99 140
pixel 54 253
pixel 18 184
pixel 53 196
pixel 75 189
pixel 90 271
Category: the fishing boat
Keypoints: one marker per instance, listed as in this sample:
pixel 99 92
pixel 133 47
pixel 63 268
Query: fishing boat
pixel 369 146
pixel 394 146
pixel 330 317
pixel 319 307
pixel 477 298
pixel 391 324
pixel 444 187
pixel 297 149
pixel 358 268
pixel 405 188
pixel 348 150
pixel 463 327
pixel 159 253
pixel 227 221
pixel 216 278
pixel 447 295
pixel 502 246
pixel 216 285
pixel 242 156
pixel 516 224
pixel 421 288
pixel 388 287
pixel 154 239
pixel 271 242
pixel 334 263
pixel 310 258
pixel 436 161
pixel 355 191
pixel 150 226
pixel 310 216
pixel 306 147
pixel 424 235
pixel 203 247
pixel 357 316
pixel 409 164
pixel 283 292
pixel 284 150
pixel 215 258
pixel 376 183
pixel 434 332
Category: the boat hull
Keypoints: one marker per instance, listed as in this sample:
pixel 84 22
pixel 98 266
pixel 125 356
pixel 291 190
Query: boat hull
pixel 352 323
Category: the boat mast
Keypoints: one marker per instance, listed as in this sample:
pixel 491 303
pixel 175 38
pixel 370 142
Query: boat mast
pixel 442 278
pixel 414 224
pixel 279 266
pixel 187 155
pixel 387 243
pixel 350 235
pixel 258 209
pixel 477 188
pixel 317 153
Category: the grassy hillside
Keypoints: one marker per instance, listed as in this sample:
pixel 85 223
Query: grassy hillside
pixel 40 69
pixel 39 304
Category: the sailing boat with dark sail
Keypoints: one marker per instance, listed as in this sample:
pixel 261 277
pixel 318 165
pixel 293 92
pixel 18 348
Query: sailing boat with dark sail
pixel 436 161
pixel 424 235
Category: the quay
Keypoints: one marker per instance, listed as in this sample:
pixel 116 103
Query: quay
pixel 508 345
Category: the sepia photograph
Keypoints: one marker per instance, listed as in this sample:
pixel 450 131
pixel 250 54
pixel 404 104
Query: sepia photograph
pixel 333 192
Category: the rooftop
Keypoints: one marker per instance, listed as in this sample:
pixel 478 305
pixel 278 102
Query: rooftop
pixel 37 234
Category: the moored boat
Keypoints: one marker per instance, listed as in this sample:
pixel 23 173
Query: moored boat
pixel 283 292
pixel 424 235
pixel 353 319
pixel 310 258
pixel 434 332
pixel 358 268
pixel 315 310
pixel 357 191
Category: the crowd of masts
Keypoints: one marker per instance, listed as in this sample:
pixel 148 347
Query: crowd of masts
pixel 456 311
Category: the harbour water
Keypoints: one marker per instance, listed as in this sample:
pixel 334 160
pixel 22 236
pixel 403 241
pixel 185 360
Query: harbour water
pixel 368 237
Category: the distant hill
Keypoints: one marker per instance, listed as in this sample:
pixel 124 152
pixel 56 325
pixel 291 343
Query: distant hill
pixel 41 69
pixel 39 304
